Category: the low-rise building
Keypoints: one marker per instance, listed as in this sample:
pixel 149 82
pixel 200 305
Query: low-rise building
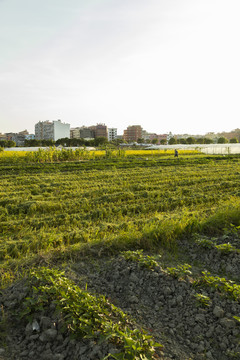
pixel 158 137
pixel 19 138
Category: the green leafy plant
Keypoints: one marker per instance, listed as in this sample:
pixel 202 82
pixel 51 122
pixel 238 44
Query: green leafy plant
pixel 202 300
pixel 205 243
pixel 179 271
pixel 86 315
pixel 227 287
pixel 237 318
pixel 233 230
pixel 226 248
pixel 233 354
pixel 143 260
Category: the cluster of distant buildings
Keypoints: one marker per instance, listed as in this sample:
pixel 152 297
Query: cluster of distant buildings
pixel 18 138
pixel 56 129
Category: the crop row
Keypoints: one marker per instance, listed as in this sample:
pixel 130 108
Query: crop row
pixel 68 205
pixel 69 154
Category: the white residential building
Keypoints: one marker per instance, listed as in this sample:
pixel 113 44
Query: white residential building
pixel 52 130
pixel 112 134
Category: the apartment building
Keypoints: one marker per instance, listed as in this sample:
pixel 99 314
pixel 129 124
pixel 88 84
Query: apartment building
pixel 87 133
pixel 159 137
pixel 52 130
pixel 75 133
pixel 133 133
pixel 101 130
pixel 19 138
pixel 112 134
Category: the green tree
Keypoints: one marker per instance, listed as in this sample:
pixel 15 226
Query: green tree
pixel 182 141
pixel 172 141
pixel 233 140
pixel 100 141
pixel 63 141
pixel 10 143
pixel 48 142
pixel 32 142
pixel 154 141
pixel 199 141
pixel 190 140
pixel 117 142
pixel 3 143
pixel 208 141
pixel 163 141
pixel 222 140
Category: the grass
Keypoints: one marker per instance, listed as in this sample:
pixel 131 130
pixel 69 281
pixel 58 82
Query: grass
pixel 63 205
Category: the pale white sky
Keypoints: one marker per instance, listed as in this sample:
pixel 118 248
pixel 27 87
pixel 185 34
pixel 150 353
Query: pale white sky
pixel 168 65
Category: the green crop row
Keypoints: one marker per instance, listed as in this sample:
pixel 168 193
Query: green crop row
pixel 57 205
pixel 85 315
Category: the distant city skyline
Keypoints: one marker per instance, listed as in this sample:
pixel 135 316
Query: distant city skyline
pixel 118 133
pixel 167 65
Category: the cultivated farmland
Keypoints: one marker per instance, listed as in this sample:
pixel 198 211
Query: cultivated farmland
pixel 119 255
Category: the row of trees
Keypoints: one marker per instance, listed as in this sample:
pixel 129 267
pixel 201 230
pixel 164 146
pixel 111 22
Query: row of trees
pixel 7 143
pixel 103 141
pixel 191 140
pixel 67 142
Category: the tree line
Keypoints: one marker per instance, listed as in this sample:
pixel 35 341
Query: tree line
pixel 191 140
pixel 7 143
pixel 67 142
pixel 100 141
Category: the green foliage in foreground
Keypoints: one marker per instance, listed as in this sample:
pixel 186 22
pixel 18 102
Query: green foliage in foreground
pixel 179 271
pixel 143 260
pixel 202 300
pixel 86 315
pixel 227 248
pixel 226 287
pixel 206 243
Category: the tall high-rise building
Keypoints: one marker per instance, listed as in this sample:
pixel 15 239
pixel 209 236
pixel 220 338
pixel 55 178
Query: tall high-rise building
pixel 52 130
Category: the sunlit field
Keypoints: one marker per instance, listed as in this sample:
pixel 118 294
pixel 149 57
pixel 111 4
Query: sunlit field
pixel 56 155
pixel 124 201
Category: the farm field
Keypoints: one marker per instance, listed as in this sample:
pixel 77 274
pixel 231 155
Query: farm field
pixel 157 237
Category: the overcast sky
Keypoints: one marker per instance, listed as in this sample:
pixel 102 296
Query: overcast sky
pixel 168 65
